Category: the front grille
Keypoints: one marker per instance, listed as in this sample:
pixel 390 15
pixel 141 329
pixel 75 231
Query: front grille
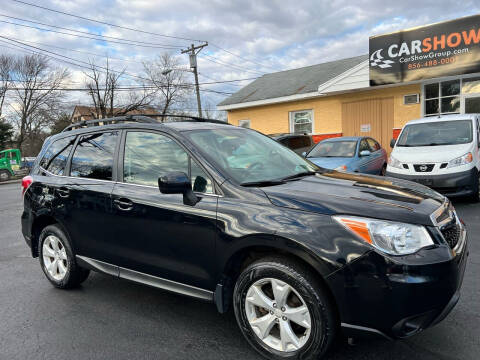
pixel 423 167
pixel 451 233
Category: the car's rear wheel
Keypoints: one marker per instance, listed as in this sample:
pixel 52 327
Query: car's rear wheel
pixel 58 260
pixel 283 311
pixel 4 175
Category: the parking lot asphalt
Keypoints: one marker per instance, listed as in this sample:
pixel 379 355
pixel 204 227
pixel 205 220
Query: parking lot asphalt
pixel 108 318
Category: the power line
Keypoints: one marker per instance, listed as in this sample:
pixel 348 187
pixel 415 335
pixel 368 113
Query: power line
pixel 232 66
pixel 98 38
pixel 79 51
pixel 105 23
pixel 243 58
pixel 89 33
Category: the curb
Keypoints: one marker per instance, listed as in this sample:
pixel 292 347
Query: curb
pixel 10 182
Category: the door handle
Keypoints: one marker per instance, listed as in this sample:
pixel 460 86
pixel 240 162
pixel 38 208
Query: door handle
pixel 63 192
pixel 123 204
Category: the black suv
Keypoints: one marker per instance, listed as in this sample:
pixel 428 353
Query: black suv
pixel 230 216
pixel 299 143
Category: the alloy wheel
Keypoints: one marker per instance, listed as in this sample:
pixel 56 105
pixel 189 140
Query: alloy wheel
pixel 278 314
pixel 55 257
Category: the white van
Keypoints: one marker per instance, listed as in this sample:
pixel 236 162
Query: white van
pixel 441 152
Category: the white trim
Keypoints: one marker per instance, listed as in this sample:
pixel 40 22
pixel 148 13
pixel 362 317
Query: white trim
pixel 290 122
pixel 269 101
pixel 342 76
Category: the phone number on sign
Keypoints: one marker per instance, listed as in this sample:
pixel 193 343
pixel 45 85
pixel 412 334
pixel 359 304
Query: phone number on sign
pixel 430 63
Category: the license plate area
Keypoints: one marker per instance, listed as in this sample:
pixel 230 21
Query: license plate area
pixel 426 182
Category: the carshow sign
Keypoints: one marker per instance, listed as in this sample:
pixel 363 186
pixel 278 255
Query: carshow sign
pixel 437 50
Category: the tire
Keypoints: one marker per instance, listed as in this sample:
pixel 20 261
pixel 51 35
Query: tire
pixel 305 292
pixel 476 189
pixel 383 172
pixel 5 175
pixel 66 274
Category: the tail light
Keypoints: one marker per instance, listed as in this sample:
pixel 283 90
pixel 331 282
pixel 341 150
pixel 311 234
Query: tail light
pixel 26 182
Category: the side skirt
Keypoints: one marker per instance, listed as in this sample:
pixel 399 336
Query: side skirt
pixel 143 278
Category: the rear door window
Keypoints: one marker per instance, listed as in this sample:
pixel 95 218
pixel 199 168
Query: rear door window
pixel 296 142
pixel 93 156
pixel 55 158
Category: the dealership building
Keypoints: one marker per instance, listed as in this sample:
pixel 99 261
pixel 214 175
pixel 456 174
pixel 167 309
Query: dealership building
pixel 426 71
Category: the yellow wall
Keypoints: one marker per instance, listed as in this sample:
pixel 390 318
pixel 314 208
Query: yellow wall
pixel 327 111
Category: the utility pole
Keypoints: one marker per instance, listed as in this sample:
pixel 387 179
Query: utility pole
pixel 193 51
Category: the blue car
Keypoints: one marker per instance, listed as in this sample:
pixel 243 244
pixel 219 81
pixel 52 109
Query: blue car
pixel 353 154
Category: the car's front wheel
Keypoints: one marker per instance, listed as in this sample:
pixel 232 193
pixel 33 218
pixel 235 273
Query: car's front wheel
pixel 283 310
pixel 4 175
pixel 476 188
pixel 58 260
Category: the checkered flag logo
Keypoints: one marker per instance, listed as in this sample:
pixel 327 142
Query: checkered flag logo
pixel 376 59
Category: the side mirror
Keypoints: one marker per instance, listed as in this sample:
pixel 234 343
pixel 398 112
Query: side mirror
pixel 177 182
pixel 304 154
pixel 365 153
pixel 392 143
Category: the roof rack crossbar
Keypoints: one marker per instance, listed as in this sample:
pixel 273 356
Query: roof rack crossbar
pixel 144 118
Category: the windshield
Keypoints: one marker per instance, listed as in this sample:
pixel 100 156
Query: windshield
pixel 334 149
pixel 249 157
pixel 437 133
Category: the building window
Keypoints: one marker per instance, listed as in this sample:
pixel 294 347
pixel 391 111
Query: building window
pixel 301 122
pixel 244 123
pixel 442 98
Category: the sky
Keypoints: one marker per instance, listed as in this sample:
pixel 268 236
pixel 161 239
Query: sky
pixel 246 38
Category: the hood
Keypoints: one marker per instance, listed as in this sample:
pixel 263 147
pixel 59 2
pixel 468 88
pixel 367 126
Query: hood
pixel 430 154
pixel 331 162
pixel 334 192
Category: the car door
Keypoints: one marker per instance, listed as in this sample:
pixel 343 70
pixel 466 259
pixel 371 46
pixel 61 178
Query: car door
pixel 366 162
pixel 87 194
pixel 51 173
pixel 378 156
pixel 155 233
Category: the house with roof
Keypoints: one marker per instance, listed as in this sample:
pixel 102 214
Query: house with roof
pixel 81 112
pixel 424 71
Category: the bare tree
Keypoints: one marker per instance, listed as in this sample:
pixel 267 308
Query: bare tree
pixel 6 70
pixel 104 83
pixel 166 76
pixel 38 92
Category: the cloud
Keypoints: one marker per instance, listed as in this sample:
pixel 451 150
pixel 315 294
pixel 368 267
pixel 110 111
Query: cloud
pixel 267 35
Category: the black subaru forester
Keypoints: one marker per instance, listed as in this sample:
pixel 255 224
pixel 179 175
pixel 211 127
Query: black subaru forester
pixel 228 215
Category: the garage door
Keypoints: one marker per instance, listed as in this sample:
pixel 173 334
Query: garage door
pixel 373 117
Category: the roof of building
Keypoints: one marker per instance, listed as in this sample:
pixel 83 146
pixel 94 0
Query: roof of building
pixel 291 82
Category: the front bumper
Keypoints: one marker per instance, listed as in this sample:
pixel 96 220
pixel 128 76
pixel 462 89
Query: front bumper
pixel 455 184
pixel 397 299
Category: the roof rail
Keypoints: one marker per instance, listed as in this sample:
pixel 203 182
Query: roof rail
pixel 145 118
pixel 112 120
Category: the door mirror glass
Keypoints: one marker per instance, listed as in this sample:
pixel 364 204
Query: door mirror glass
pixel 392 143
pixel 365 153
pixel 177 182
pixel 304 154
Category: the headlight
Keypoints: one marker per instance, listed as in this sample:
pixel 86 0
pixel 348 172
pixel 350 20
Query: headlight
pixel 390 237
pixel 394 162
pixel 341 168
pixel 462 160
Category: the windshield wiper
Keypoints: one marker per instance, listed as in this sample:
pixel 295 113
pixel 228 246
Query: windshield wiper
pixel 263 183
pixel 298 175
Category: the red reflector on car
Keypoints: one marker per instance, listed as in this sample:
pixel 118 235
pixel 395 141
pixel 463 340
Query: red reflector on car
pixel 26 182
